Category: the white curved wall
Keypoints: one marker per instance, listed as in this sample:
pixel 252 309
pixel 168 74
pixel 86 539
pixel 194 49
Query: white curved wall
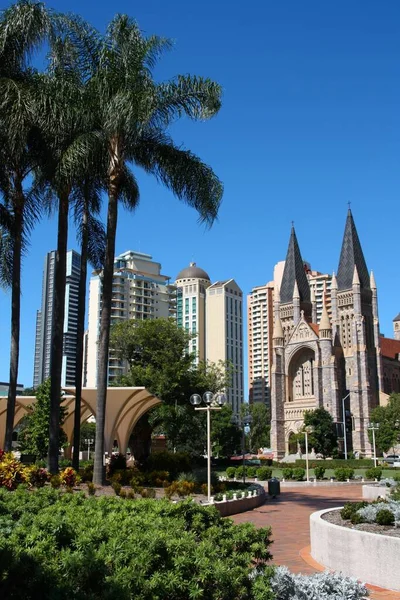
pixel 371 558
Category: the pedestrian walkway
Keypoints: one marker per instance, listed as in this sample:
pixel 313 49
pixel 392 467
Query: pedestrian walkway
pixel 288 516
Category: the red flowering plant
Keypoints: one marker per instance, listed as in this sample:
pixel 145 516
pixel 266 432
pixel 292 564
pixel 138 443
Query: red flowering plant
pixel 69 477
pixel 38 476
pixel 2 453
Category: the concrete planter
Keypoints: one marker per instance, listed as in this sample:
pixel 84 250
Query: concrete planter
pixel 370 557
pixel 373 492
pixel 226 508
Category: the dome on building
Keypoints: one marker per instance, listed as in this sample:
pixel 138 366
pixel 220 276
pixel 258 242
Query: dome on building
pixel 192 272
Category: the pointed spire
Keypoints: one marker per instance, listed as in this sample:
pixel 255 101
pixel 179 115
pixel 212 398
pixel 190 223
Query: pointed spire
pixel 356 279
pixel 277 292
pixel 372 282
pixel 325 323
pixel 333 281
pixel 278 331
pixel 296 293
pixel 351 256
pixel 294 272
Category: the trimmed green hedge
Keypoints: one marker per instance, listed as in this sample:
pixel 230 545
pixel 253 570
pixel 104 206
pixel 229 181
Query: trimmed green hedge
pixel 58 545
pixel 362 463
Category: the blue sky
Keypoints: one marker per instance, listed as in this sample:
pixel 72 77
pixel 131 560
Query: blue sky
pixel 310 121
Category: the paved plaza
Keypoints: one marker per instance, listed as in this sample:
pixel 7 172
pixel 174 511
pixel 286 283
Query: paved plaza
pixel 288 516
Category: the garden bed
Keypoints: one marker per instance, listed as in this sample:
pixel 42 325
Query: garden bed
pixel 335 518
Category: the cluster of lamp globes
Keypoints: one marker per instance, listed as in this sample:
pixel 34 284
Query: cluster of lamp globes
pixel 209 399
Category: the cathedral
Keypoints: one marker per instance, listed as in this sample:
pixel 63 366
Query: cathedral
pixel 341 361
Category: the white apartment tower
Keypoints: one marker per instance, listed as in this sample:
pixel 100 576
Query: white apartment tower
pixel 260 320
pixel 140 291
pixel 44 320
pixel 224 333
pixel 191 285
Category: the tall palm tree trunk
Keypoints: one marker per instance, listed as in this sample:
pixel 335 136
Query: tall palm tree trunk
pixel 15 317
pixel 104 336
pixel 57 334
pixel 80 334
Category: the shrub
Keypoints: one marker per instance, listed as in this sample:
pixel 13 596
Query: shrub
pixel 122 494
pixel 356 519
pixel 55 481
pixel 64 463
pixel 180 488
pixel 173 462
pixel 350 508
pixel 298 474
pixel 69 477
pixel 91 488
pixel 117 463
pixel 131 494
pixel 86 473
pixel 239 471
pixel 148 493
pixel 385 517
pixel 12 472
pixel 38 476
pixel 158 478
pixel 67 549
pixel 251 471
pixel 319 472
pixel 264 473
pixel 231 472
pixel 287 473
pixel 117 487
pixel 329 586
pixel 136 485
pixel 374 473
pixel 344 473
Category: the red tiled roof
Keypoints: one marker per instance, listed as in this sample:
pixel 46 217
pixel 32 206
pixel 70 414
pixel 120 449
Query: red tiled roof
pixel 390 348
pixel 315 328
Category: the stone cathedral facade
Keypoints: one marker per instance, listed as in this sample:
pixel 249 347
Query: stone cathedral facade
pixel 317 365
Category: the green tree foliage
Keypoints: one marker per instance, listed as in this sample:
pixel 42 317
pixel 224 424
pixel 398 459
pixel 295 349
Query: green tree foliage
pixel 34 433
pixel 225 435
pixel 388 417
pixel 87 432
pixel 323 438
pixel 259 436
pixel 156 351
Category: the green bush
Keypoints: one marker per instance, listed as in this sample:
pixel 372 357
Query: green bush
pixel 356 519
pixel 251 471
pixel 374 473
pixel 117 463
pixel 55 481
pixel 91 488
pixel 70 546
pixel 344 473
pixel 385 517
pixel 116 486
pixel 362 463
pixel 298 474
pixel 350 509
pixel 173 462
pixel 264 473
pixel 148 493
pixel 287 473
pixel 231 472
pixel 319 472
pixel 239 471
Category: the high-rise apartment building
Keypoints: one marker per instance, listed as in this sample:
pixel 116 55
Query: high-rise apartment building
pixel 320 292
pixel 140 291
pixel 260 321
pixel 44 320
pixel 224 333
pixel 191 285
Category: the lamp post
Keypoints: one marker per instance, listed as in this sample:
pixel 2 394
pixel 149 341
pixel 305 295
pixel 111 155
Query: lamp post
pixel 344 426
pixel 212 402
pixel 373 427
pixel 244 424
pixel 89 442
pixel 307 430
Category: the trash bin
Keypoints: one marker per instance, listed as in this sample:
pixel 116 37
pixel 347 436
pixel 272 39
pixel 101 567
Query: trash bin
pixel 274 487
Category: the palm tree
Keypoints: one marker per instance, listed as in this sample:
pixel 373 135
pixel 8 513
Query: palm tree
pixel 133 114
pixel 23 27
pixel 92 239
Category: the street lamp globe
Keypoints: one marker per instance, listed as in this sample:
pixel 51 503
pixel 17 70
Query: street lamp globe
pixel 195 399
pixel 208 397
pixel 220 399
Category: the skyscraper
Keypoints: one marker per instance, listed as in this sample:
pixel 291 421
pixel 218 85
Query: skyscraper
pixel 260 321
pixel 192 283
pixel 44 320
pixel 140 291
pixel 224 333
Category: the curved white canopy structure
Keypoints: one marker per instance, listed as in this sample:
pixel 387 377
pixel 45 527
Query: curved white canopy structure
pixel 125 406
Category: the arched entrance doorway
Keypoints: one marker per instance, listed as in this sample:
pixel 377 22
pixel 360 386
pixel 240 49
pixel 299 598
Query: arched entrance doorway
pixel 292 443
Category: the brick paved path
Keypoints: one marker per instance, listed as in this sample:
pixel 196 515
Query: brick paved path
pixel 288 516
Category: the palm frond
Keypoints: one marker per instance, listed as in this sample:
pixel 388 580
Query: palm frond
pixel 182 172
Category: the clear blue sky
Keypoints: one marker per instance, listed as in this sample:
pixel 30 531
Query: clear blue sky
pixel 310 121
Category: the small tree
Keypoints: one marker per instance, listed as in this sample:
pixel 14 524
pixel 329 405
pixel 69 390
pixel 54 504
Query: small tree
pixel 34 434
pixel 87 432
pixel 323 438
pixel 225 434
pixel 388 418
pixel 260 427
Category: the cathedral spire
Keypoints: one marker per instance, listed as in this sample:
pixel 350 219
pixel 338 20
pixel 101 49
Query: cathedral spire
pixel 294 273
pixel 351 257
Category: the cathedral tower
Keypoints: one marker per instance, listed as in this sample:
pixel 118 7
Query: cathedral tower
pixel 355 324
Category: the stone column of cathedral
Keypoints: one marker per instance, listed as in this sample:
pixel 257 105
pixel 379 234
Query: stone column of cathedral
pixel 334 308
pixel 375 316
pixel 278 392
pixel 296 304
